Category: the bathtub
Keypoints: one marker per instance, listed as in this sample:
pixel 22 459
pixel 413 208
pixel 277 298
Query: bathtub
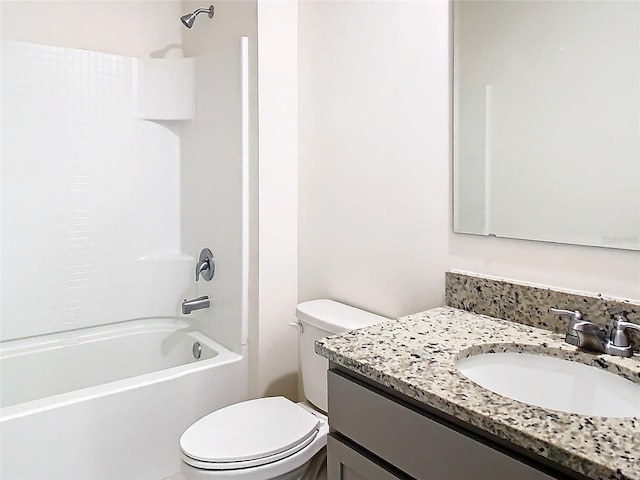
pixel 109 402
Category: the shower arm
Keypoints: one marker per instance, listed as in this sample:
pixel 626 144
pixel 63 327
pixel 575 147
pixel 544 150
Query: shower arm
pixel 204 10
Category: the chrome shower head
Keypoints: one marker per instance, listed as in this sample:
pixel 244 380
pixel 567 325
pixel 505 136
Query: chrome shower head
pixel 190 18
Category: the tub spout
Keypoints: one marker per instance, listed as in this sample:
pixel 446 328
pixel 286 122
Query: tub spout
pixel 199 303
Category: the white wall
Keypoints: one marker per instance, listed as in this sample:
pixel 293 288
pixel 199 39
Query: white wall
pixel 373 149
pixel 128 27
pixel 276 359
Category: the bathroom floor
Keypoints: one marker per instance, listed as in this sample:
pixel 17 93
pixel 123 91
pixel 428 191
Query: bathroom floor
pixel 322 475
pixel 175 476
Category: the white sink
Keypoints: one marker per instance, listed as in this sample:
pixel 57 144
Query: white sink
pixel 554 383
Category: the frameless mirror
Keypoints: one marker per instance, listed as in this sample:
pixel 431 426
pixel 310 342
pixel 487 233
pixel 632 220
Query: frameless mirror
pixel 547 120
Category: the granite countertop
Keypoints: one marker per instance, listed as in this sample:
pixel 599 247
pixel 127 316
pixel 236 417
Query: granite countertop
pixel 416 356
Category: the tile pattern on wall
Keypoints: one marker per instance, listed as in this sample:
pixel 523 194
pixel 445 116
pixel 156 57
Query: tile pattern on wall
pixel 91 199
pixel 529 304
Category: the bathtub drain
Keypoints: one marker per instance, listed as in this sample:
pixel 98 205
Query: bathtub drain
pixel 197 350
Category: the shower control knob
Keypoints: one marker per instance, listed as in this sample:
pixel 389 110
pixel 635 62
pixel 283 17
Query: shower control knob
pixel 206 266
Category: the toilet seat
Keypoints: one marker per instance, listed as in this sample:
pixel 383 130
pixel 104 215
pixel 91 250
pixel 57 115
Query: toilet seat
pixel 246 463
pixel 249 434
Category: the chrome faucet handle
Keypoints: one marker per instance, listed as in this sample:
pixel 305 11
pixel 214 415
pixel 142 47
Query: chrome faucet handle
pixel 206 265
pixel 574 314
pixel 202 267
pixel 572 336
pixel 619 336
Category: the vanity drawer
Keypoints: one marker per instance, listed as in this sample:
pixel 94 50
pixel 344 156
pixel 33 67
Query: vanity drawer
pixel 412 442
pixel 347 463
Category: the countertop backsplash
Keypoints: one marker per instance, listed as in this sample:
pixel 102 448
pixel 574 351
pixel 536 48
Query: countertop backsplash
pixel 529 304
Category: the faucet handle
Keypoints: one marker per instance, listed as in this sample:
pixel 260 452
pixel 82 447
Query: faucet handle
pixel 575 315
pixel 572 336
pixel 619 336
pixel 206 265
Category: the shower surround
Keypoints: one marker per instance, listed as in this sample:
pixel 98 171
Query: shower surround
pixel 91 195
pixel 98 190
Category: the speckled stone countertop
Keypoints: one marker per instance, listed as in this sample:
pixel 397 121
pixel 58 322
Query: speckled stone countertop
pixel 416 356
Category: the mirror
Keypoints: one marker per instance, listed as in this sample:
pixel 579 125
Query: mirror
pixel 546 113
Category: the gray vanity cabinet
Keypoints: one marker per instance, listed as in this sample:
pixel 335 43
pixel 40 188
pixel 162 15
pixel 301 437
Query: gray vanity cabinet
pixel 378 437
pixel 345 462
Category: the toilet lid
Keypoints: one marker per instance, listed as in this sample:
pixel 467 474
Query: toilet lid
pixel 249 430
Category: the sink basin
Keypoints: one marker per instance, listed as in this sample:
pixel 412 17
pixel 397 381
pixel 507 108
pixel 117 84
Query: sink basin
pixel 554 383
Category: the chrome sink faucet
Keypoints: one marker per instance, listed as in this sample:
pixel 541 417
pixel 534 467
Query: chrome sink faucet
pixel 589 336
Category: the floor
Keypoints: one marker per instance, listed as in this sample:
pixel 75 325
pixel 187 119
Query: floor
pixel 175 476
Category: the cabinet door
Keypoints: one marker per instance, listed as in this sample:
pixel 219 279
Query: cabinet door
pixel 414 443
pixel 344 463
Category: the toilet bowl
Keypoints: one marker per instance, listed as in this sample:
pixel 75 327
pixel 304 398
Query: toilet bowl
pixel 263 439
pixel 274 438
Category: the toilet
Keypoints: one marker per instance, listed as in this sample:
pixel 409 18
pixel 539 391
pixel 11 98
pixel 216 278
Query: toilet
pixel 274 438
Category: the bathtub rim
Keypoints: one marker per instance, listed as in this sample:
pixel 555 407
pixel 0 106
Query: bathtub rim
pixel 25 345
pixel 223 356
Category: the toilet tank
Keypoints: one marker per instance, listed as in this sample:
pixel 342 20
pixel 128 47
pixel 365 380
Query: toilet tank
pixel 319 319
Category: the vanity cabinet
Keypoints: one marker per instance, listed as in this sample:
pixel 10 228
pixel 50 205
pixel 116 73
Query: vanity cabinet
pixel 378 436
pixel 347 462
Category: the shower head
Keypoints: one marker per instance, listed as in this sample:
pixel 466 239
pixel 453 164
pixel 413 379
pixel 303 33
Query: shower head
pixel 189 18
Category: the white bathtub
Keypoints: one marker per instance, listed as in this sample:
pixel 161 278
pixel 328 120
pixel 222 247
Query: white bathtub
pixel 109 402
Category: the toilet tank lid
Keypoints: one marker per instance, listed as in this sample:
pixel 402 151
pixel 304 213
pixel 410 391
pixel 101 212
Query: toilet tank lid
pixel 335 317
